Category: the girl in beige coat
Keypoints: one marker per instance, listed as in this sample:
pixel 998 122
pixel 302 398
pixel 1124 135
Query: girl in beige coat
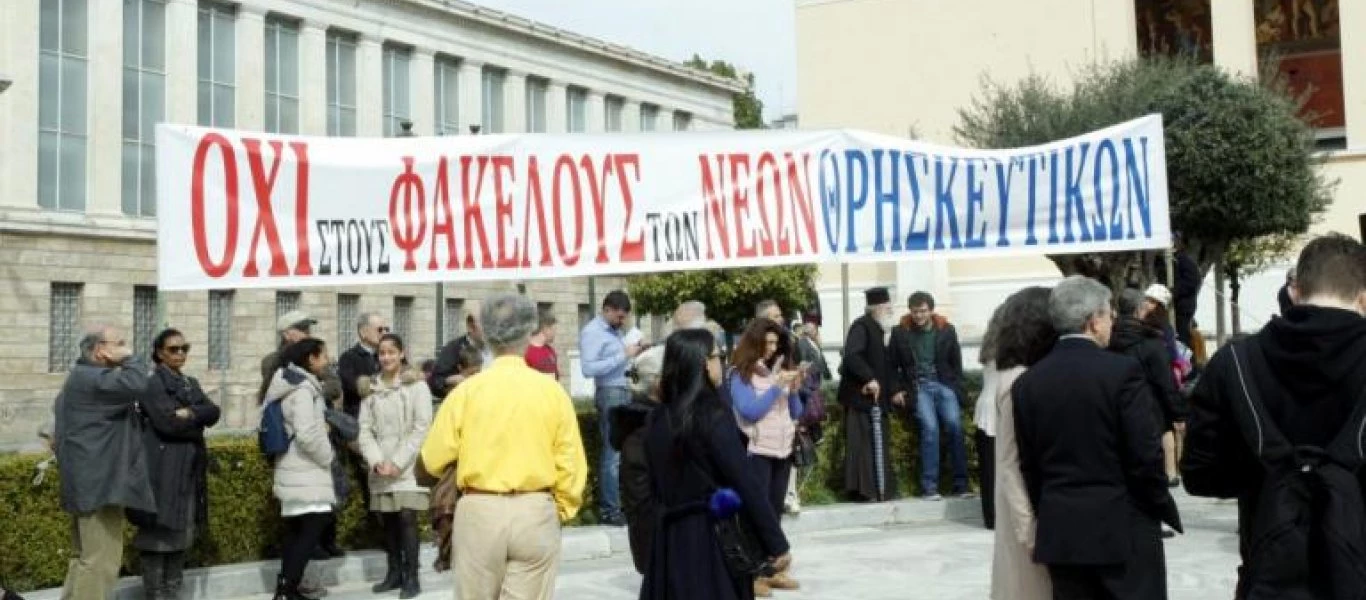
pixel 1023 334
pixel 395 413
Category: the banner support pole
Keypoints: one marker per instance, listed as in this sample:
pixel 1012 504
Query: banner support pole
pixel 844 297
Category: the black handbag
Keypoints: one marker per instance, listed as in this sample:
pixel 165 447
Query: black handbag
pixel 740 547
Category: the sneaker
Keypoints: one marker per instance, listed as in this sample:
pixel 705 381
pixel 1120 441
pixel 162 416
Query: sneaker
pixel 963 495
pixel 932 497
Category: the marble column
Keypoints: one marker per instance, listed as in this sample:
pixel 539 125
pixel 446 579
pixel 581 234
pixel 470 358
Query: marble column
pixel 422 85
pixel 514 102
pixel 1235 36
pixel 596 112
pixel 104 109
pixel 1353 27
pixel 369 87
pixel 471 93
pixel 251 68
pixel 556 107
pixel 313 78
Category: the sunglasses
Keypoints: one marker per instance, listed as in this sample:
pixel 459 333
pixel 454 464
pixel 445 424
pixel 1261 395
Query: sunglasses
pixel 185 349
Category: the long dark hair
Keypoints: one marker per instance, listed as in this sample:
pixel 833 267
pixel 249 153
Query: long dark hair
pixel 159 341
pixel 683 379
pixel 1026 332
pixel 749 351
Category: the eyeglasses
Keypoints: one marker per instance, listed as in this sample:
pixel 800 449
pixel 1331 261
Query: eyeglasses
pixel 383 329
pixel 185 349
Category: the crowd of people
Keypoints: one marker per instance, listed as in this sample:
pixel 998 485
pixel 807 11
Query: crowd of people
pixel 1087 397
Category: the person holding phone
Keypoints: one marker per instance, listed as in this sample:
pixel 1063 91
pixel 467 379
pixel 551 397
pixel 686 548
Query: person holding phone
pixel 763 390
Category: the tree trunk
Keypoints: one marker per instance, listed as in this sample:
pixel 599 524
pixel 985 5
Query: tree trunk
pixel 1235 313
pixel 1221 323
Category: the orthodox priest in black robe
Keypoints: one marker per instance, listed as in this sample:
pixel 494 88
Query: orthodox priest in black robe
pixel 868 379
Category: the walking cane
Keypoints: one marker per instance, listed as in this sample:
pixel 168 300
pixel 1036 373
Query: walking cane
pixel 878 461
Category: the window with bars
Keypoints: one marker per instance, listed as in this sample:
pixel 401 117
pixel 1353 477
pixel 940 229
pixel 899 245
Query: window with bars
pixel 144 101
pixel 649 117
pixel 217 65
pixel 220 329
pixel 615 105
pixel 63 129
pixel 403 317
pixel 282 75
pixel 576 117
pixel 397 91
pixel 455 318
pixel 285 302
pixel 447 88
pixel 492 119
pixel 145 303
pixel 536 89
pixel 348 310
pixel 341 84
pixel 64 326
pixel 682 121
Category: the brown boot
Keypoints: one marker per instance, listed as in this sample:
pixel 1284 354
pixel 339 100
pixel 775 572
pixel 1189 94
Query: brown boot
pixel 782 581
pixel 761 588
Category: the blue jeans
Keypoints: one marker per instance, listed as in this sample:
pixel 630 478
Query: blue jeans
pixel 936 406
pixel 609 463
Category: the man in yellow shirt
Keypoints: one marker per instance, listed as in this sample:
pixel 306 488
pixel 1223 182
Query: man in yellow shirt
pixel 520 466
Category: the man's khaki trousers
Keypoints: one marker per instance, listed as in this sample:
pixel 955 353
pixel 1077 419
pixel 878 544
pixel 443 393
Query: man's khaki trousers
pixel 505 547
pixel 97 541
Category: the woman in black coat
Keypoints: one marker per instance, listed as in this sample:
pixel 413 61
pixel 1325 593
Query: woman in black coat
pixel 178 412
pixel 1136 336
pixel 692 447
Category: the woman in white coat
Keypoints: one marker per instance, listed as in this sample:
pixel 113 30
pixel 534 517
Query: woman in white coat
pixel 1023 334
pixel 395 414
pixel 303 474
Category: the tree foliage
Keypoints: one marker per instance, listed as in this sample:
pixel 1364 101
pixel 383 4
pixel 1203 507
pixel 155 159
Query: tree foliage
pixel 749 109
pixel 730 294
pixel 1240 161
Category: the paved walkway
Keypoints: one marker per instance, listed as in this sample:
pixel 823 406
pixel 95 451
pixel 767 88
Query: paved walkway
pixel 943 561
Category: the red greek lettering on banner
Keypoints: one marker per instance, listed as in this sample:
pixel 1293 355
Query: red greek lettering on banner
pixel 534 195
pixel 409 236
pixel 632 250
pixel 569 255
pixel 201 242
pixel 502 213
pixel 441 206
pixel 474 214
pixel 263 184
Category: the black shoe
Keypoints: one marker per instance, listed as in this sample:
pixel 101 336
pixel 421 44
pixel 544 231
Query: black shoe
pixel 412 586
pixel 1174 482
pixel 617 521
pixel 393 577
pixel 1168 533
pixel 284 590
pixel 312 593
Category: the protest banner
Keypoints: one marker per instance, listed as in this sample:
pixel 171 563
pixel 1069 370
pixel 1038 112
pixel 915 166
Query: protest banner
pixel 249 210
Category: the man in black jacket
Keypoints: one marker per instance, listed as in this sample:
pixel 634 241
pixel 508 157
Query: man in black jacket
pixel 1308 370
pixel 446 375
pixel 1186 289
pixel 867 379
pixel 925 353
pixel 360 360
pixel 1091 457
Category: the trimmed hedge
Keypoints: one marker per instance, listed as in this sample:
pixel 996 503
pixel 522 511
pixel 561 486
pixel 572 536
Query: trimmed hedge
pixel 244 519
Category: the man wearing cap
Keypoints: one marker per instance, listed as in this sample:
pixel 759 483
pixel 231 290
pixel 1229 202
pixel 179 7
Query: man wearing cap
pixel 867 380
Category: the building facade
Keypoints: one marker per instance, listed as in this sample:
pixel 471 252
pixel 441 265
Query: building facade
pixel 945 51
pixel 91 78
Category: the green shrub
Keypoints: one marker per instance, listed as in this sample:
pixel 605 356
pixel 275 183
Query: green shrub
pixel 244 518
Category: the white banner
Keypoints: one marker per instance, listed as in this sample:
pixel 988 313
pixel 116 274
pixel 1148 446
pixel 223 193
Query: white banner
pixel 250 210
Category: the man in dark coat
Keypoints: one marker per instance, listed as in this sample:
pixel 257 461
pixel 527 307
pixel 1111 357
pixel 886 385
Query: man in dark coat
pixel 867 379
pixel 1091 457
pixel 360 360
pixel 446 374
pixel 637 501
pixel 928 360
pixel 1307 368
pixel 1186 289
pixel 99 447
pixel 1137 340
pixel 1283 298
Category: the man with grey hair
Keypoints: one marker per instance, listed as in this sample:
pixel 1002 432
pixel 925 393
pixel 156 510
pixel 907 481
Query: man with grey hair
pixel 520 465
pixel 648 364
pixel 360 360
pixel 98 442
pixel 1091 457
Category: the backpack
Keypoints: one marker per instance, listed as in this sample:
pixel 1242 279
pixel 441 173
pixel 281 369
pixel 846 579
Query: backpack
pixel 1307 537
pixel 271 436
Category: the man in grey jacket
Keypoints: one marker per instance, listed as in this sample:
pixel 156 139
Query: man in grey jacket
pixel 99 448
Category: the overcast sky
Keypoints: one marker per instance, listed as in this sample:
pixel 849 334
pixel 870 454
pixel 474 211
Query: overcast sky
pixel 755 35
